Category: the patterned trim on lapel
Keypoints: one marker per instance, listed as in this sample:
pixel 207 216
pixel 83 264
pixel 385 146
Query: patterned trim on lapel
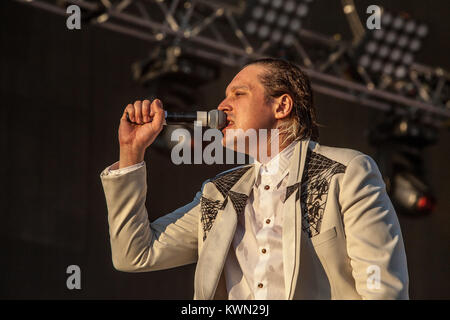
pixel 223 182
pixel 314 192
pixel 239 201
pixel 209 209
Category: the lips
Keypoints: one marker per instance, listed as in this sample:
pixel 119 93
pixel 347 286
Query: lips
pixel 229 124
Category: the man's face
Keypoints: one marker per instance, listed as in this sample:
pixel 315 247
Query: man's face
pixel 244 103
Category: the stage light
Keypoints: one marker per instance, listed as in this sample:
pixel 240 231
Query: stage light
pixel 398 23
pixel 295 25
pixel 411 195
pixel 422 31
pixel 277 3
pixel 394 46
pixel 302 10
pixel 283 21
pixel 174 64
pixel 264 32
pixel 410 27
pixel 415 45
pixel 379 34
pixel 372 47
pixel 364 61
pixel 276 21
pixel 388 69
pixel 251 27
pixel 407 58
pixel 403 41
pixel 270 16
pixel 289 6
pixel 258 13
pixel 400 144
pixel 386 19
pixel 276 36
pixel 288 39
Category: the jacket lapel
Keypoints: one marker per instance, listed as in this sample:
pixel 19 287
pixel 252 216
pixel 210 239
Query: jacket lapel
pixel 292 221
pixel 228 198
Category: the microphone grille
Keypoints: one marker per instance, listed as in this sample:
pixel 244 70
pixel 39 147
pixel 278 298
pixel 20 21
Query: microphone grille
pixel 217 119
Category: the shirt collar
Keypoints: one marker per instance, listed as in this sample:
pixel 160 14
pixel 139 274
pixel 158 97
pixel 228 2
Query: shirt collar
pixel 277 168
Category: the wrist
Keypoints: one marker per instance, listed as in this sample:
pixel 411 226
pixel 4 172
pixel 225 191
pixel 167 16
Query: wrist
pixel 130 156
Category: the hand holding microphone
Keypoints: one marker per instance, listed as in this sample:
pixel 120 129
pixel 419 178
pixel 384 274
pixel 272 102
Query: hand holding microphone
pixel 136 136
pixel 143 121
pixel 215 119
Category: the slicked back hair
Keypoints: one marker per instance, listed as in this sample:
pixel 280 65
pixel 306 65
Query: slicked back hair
pixel 284 77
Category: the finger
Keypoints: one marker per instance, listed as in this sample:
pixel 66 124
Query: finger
pixel 158 113
pixel 152 110
pixel 146 110
pixel 138 111
pixel 130 111
pixel 158 105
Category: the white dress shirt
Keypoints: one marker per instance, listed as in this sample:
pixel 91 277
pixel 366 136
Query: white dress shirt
pixel 254 268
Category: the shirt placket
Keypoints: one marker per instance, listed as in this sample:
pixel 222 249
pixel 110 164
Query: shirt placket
pixel 265 217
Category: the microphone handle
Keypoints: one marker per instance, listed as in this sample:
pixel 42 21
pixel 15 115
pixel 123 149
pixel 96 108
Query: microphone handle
pixel 179 117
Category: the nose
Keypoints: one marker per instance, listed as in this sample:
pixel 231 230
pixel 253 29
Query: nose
pixel 224 106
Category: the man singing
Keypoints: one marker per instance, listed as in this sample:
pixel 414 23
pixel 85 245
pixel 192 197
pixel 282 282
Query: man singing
pixel 309 222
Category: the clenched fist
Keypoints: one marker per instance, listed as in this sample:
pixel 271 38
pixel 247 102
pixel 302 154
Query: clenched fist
pixel 136 137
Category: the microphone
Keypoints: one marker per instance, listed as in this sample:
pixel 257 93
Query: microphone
pixel 215 119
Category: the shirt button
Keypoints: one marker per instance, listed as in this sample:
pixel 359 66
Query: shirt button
pixel 260 285
pixel 268 221
pixel 263 250
pixel 266 187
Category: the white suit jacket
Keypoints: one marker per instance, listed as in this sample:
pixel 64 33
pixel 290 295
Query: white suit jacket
pixel 341 236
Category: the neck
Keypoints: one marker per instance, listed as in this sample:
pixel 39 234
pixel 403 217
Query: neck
pixel 275 144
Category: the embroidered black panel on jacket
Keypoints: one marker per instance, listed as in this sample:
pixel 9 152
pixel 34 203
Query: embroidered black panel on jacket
pixel 223 183
pixel 209 209
pixel 316 178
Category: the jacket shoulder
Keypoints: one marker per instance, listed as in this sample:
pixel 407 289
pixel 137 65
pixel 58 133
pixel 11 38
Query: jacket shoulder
pixel 337 154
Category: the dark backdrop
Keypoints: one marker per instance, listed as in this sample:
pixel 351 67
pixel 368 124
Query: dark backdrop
pixel 62 94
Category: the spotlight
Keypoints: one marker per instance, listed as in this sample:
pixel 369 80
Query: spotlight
pixel 410 194
pixel 394 46
pixel 175 64
pixel 400 142
pixel 276 21
pixel 258 13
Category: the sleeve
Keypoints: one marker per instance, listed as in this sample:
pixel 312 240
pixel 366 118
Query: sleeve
pixel 374 239
pixel 138 245
pixel 114 169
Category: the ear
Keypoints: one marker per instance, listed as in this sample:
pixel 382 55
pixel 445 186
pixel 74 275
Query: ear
pixel 283 106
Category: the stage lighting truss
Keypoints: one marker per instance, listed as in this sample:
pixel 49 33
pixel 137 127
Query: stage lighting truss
pixel 385 55
pixel 232 32
pixel 433 84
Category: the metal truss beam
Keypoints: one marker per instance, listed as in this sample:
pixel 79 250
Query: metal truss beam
pixel 195 40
